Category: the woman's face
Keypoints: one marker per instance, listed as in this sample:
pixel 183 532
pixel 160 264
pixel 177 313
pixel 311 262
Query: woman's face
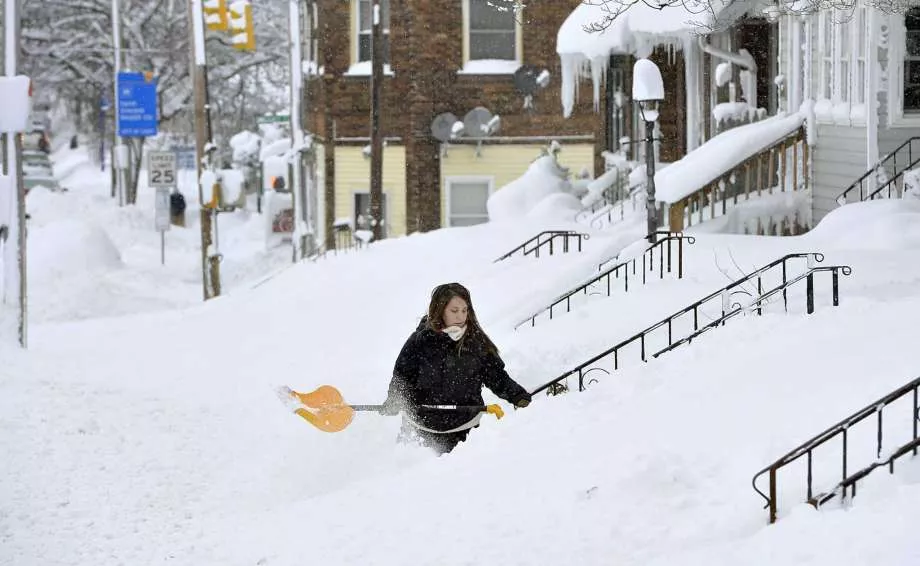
pixel 455 312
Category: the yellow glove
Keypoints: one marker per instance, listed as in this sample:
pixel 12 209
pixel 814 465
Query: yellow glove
pixel 495 410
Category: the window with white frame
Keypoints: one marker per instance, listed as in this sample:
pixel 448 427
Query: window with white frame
pixel 842 46
pixel 491 32
pixel 466 201
pixel 362 217
pixel 912 62
pixel 842 49
pixel 826 55
pixel 364 20
pixel 860 75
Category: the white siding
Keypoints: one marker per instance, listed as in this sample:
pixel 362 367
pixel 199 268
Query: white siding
pixel 838 159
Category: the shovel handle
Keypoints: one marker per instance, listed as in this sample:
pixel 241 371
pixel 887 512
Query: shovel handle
pixel 471 408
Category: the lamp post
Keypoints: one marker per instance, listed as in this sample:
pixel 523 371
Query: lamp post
pixel 647 92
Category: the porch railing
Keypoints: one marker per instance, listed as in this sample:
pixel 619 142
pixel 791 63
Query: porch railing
pixel 730 308
pixel 547 239
pixel 886 176
pixel 778 168
pixel 843 431
pixel 605 279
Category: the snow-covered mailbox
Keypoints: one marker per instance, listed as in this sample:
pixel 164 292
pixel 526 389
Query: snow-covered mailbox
pixel 223 189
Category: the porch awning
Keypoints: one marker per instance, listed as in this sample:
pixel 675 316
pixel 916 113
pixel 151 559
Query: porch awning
pixel 636 31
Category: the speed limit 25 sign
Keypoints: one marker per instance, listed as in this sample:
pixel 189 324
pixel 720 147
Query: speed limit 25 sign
pixel 161 169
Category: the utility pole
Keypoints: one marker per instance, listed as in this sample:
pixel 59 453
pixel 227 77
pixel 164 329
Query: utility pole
pixel 299 191
pixel 210 257
pixel 376 211
pixel 13 227
pixel 121 157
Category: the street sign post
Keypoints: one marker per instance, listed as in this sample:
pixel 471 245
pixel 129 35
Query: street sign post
pixel 161 169
pixel 137 105
pixel 161 174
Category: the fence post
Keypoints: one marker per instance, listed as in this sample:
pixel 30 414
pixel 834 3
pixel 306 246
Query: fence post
pixel 810 293
pixel 772 495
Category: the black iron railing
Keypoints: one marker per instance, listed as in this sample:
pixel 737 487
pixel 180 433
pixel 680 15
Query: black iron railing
pixel 344 241
pixel 547 239
pixel 879 174
pixel 605 279
pixel 730 308
pixel 842 430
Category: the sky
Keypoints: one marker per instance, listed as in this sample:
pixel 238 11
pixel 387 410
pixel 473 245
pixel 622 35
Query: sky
pixel 142 425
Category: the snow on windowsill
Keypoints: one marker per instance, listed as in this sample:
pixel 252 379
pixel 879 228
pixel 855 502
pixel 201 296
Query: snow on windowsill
pixel 489 67
pixel 840 114
pixel 363 69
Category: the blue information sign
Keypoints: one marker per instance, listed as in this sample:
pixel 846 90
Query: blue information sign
pixel 137 105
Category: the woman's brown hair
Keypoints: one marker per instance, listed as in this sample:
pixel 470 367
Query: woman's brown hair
pixel 442 295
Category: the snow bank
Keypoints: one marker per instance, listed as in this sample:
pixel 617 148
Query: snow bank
pixel 883 224
pixel 720 154
pixel 518 198
pixel 70 247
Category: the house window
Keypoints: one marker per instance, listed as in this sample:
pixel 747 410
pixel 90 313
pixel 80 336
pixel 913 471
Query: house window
pixel 842 47
pixel 362 216
pixel 466 201
pixel 365 21
pixel 492 32
pixel 826 54
pixel 860 77
pixel 912 62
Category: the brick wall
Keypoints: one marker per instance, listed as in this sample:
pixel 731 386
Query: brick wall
pixel 426 47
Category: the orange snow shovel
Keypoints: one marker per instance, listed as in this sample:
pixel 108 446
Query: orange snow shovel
pixel 326 409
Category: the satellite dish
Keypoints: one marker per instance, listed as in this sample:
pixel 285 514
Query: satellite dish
pixel 525 79
pixel 476 122
pixel 442 125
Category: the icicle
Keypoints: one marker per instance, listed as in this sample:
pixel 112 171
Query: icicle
pixel 598 74
pixel 570 70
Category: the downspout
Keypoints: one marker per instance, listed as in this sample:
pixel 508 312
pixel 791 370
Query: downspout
pixel 744 60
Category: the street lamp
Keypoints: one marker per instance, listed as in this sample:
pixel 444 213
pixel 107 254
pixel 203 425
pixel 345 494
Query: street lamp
pixel 647 92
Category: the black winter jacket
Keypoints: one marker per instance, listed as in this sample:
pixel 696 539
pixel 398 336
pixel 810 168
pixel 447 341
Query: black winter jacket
pixel 432 369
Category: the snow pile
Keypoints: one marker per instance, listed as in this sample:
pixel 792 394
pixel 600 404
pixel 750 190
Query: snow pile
pixel 874 224
pixel 521 197
pixel 245 146
pixel 719 155
pixel 70 247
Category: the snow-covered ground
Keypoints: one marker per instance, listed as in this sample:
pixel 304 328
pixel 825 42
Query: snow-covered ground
pixel 142 426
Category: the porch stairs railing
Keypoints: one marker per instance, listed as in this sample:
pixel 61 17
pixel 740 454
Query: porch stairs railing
pixel 886 176
pixel 776 169
pixel 845 430
pixel 547 240
pixel 614 201
pixel 731 307
pixel 603 283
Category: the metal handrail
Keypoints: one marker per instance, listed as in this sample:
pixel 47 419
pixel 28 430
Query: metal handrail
pixel 553 234
pixel 725 294
pixel 841 429
pixel 737 308
pixel 624 266
pixel 891 156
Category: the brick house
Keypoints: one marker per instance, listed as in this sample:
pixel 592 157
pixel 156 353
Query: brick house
pixel 441 56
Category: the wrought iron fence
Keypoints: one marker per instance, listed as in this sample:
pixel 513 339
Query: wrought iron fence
pixel 547 239
pixel 728 307
pixel 606 279
pixel 843 430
